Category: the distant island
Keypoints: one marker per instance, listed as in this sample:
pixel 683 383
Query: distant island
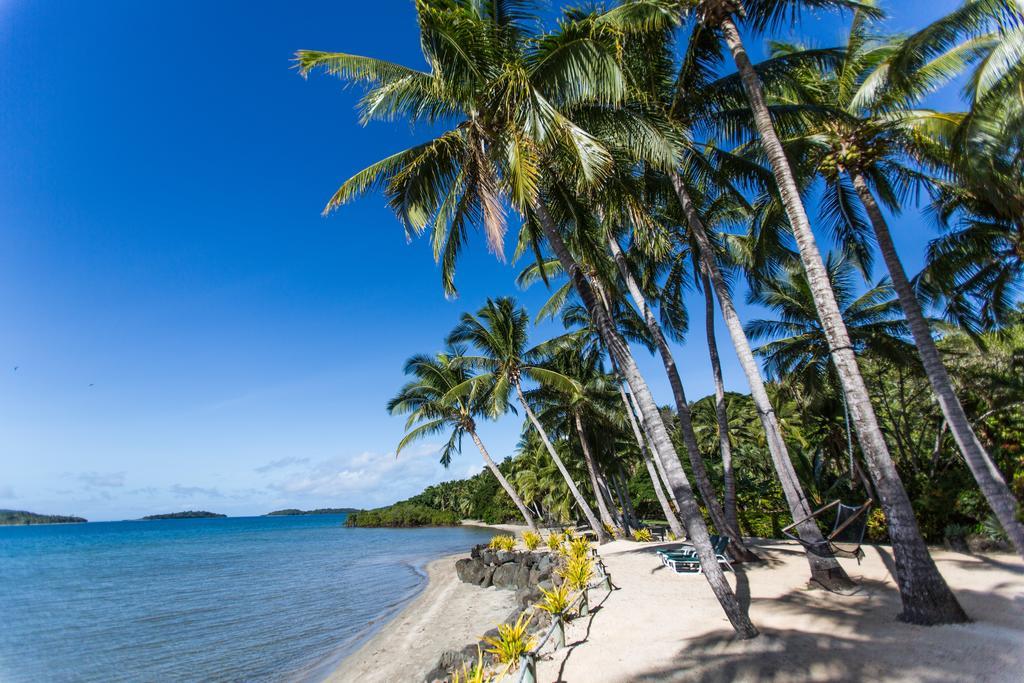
pixel 188 514
pixel 11 517
pixel 319 511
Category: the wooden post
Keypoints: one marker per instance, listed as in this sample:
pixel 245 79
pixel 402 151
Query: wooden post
pixel 528 662
pixel 606 583
pixel 585 604
pixel 559 632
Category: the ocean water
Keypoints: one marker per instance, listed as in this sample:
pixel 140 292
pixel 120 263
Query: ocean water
pixel 236 599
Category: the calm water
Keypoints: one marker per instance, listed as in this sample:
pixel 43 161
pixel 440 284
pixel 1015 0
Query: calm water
pixel 238 599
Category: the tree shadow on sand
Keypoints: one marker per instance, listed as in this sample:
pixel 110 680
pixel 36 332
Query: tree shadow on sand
pixel 860 639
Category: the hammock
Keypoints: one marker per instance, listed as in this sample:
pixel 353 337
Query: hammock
pixel 847 532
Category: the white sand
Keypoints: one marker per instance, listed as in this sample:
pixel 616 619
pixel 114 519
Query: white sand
pixel 660 626
pixel 447 615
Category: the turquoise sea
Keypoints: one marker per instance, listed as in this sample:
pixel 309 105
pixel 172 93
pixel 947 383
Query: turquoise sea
pixel 236 599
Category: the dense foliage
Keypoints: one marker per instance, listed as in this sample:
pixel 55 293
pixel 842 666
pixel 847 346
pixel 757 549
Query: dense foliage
pixel 318 511
pixel 403 514
pixel 187 514
pixel 23 517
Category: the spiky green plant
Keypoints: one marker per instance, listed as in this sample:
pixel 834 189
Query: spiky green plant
pixel 475 674
pixel 531 540
pixel 578 547
pixel 555 542
pixel 513 641
pixel 556 601
pixel 643 535
pixel 502 542
pixel 577 572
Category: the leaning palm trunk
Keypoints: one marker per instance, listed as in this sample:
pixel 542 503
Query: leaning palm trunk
pixel 700 472
pixel 737 548
pixel 661 444
pixel 525 511
pixel 622 487
pixel 652 472
pixel 985 472
pixel 925 595
pixel 595 481
pixel 825 569
pixel 602 536
pixel 728 476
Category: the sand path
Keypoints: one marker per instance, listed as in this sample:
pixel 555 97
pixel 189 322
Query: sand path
pixel 659 626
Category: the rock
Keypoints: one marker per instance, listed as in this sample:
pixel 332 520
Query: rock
pixel 488 556
pixel 521 578
pixel 529 559
pixel 977 543
pixel 504 557
pixel 545 563
pixel 505 576
pixel 476 551
pixel 527 596
pixel 485 580
pixel 546 584
pixel 471 571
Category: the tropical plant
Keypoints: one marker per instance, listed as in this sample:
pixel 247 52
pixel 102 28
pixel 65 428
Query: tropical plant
pixel 512 642
pixel 577 572
pixel 475 674
pixel 531 540
pixel 643 535
pixel 555 541
pixel 431 409
pixel 502 542
pixel 926 597
pixel 499 332
pixel 556 601
pixel 861 151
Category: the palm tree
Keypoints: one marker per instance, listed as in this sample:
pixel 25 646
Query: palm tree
pixel 861 148
pixel 498 331
pixel 431 410
pixel 685 95
pixel 584 404
pixel 926 597
pixel 507 92
pixel 798 349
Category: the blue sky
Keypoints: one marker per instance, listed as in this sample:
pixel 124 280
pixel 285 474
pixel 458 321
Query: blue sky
pixel 188 331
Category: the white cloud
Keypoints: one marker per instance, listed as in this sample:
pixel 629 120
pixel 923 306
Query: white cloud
pixel 281 463
pixel 193 491
pixel 101 479
pixel 366 479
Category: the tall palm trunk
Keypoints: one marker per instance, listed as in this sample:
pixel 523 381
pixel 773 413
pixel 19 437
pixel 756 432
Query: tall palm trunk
pixel 985 472
pixel 523 510
pixel 628 511
pixel 825 569
pixel 652 472
pixel 700 472
pixel 926 597
pixel 588 457
pixel 728 476
pixel 660 441
pixel 602 536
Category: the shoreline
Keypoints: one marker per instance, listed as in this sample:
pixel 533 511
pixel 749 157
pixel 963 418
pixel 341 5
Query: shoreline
pixel 444 614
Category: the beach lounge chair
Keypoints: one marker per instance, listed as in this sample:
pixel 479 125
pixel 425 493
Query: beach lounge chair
pixel 684 550
pixel 689 562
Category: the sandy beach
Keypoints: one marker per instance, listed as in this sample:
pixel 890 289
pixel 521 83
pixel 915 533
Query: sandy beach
pixel 659 626
pixel 448 614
